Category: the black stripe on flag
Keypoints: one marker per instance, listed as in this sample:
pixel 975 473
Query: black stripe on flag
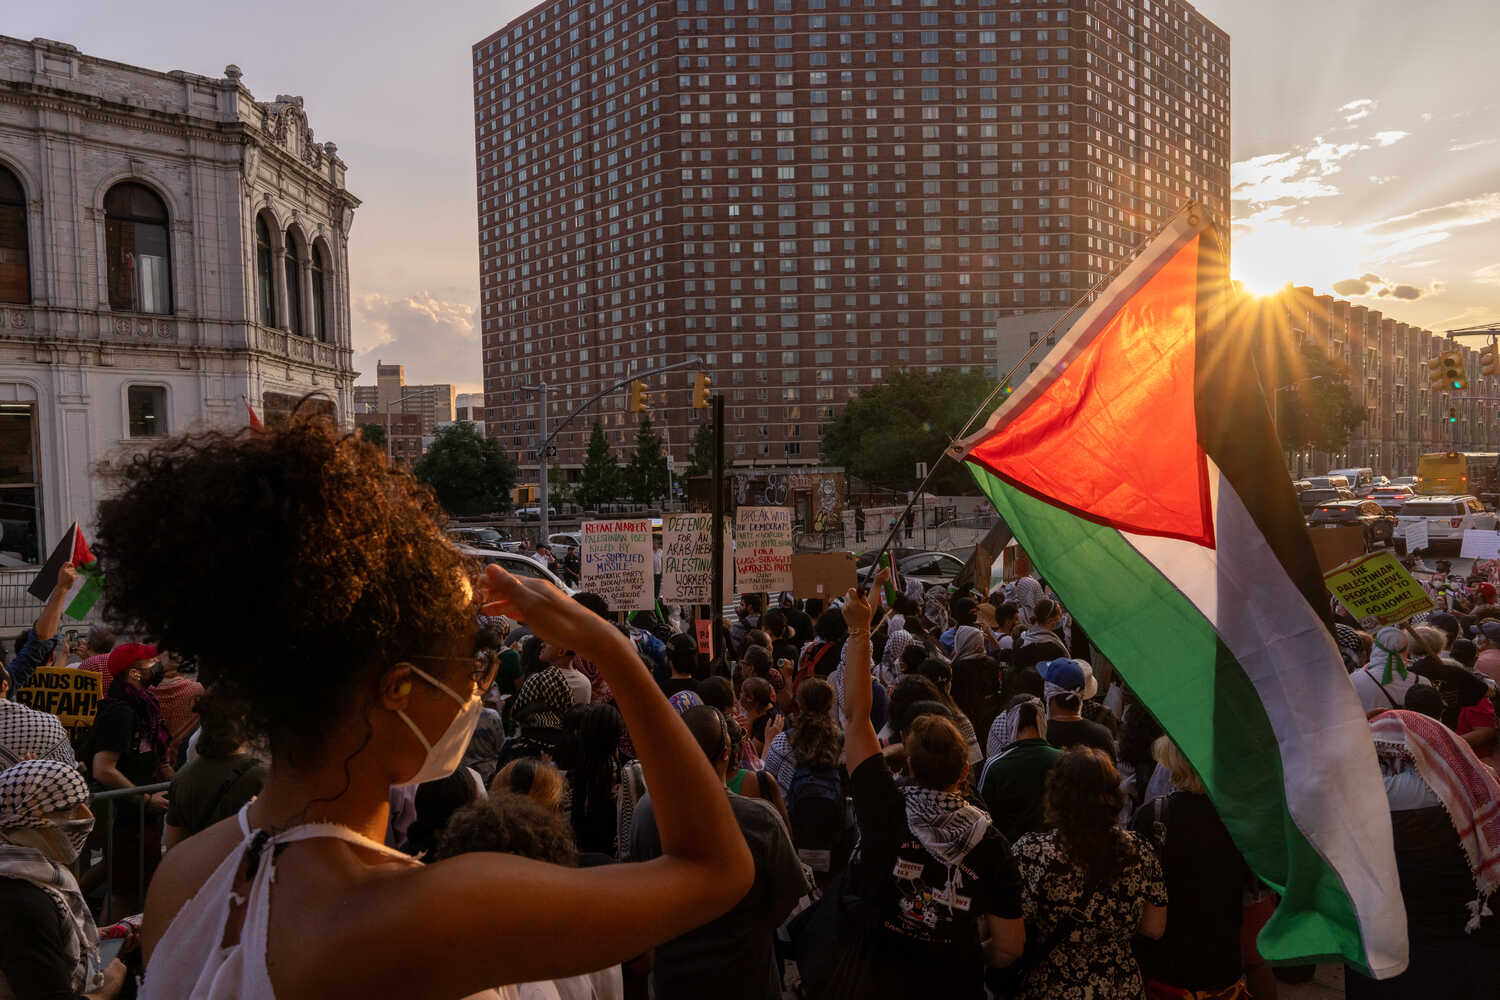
pixel 46 579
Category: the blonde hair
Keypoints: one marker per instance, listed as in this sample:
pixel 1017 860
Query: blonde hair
pixel 532 779
pixel 1184 776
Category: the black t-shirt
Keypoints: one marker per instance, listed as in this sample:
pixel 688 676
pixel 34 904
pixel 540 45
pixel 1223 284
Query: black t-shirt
pixel 118 729
pixel 209 789
pixel 1206 878
pixel 672 685
pixel 33 943
pixel 1080 732
pixel 930 944
pixel 1459 687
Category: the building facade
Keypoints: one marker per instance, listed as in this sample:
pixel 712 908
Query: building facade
pixel 170 248
pixel 1385 363
pixel 404 431
pixel 808 196
pixel 433 403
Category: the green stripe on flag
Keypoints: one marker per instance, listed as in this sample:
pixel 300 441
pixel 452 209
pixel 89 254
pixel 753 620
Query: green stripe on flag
pixel 1176 663
pixel 88 594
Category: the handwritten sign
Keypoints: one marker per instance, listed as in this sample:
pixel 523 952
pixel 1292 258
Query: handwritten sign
pixel 1416 535
pixel 68 693
pixel 617 563
pixel 1376 590
pixel 705 630
pixel 687 564
pixel 763 549
pixel 1477 544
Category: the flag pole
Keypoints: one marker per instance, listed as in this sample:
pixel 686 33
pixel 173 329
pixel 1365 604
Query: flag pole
pixel 932 469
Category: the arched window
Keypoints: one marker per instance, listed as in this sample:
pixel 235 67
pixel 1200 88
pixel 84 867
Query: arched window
pixel 265 288
pixel 319 307
pixel 15 276
pixel 293 285
pixel 139 249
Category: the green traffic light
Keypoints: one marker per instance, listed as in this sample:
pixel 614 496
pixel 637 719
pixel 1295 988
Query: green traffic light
pixel 1457 384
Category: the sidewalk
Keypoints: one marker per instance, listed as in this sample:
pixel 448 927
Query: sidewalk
pixel 1328 984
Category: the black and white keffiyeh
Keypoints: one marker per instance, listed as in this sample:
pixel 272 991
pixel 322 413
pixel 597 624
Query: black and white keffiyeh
pixel 33 788
pixel 946 825
pixel 543 699
pixel 26 734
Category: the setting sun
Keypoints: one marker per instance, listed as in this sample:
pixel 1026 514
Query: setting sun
pixel 1272 254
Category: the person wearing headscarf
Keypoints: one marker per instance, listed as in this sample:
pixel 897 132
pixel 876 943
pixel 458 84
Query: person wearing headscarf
pixel 538 710
pixel 1383 682
pixel 1066 685
pixel 1025 592
pixel 1004 730
pixel 49 946
pixel 896 642
pixel 1445 823
pixel 26 734
pixel 1351 649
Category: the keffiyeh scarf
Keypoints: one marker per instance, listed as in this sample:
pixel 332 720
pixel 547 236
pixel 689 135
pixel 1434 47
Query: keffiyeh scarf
pixel 1003 730
pixel 28 792
pixel 947 826
pixel 1468 790
pixel 967 641
pixel 26 734
pixel 543 698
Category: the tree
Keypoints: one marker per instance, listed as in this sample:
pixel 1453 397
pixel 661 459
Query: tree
pixel 646 476
pixel 374 434
pixel 469 473
pixel 884 432
pixel 599 480
pixel 701 463
pixel 1318 411
pixel 559 490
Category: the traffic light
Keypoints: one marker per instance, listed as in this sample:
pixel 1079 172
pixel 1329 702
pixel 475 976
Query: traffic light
pixel 701 384
pixel 639 401
pixel 1489 358
pixel 1452 414
pixel 1455 378
pixel 1435 374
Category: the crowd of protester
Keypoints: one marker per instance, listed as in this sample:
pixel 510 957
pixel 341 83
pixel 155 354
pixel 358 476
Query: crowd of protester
pixel 467 784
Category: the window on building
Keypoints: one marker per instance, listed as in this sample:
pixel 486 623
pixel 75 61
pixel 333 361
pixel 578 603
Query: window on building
pixel 138 249
pixel 20 484
pixel 264 285
pixel 319 296
pixel 15 276
pixel 293 260
pixel 148 410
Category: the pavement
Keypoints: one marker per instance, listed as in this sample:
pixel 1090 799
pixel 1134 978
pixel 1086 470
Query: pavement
pixel 1328 984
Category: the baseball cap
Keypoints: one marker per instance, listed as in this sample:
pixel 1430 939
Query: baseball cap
pixel 127 655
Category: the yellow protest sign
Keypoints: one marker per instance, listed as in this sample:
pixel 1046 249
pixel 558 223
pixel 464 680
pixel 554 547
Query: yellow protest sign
pixel 1377 590
pixel 68 693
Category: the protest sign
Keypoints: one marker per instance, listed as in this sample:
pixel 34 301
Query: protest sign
pixel 984 570
pixel 1377 591
pixel 705 630
pixel 1477 545
pixel 68 693
pixel 763 549
pixel 687 560
pixel 822 574
pixel 1416 535
pixel 617 563
pixel 1336 545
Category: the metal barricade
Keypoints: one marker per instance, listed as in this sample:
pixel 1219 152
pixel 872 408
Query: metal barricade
pixel 106 806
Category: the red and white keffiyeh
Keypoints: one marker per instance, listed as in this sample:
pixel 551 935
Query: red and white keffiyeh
pixel 1468 790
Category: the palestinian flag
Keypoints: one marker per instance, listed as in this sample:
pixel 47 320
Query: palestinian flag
pixel 71 548
pixel 1138 467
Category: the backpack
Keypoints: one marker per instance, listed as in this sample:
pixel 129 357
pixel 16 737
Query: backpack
pixel 818 808
pixel 810 660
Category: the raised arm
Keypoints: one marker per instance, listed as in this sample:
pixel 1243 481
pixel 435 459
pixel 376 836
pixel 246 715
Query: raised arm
pixel 860 741
pixel 51 616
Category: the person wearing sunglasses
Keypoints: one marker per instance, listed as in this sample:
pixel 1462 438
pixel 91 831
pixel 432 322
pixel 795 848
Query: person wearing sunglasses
pixel 367 614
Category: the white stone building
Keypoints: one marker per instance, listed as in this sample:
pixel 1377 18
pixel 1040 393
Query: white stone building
pixel 170 247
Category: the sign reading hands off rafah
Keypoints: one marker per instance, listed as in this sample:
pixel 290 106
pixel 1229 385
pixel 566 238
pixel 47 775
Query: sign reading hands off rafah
pixel 763 549
pixel 617 563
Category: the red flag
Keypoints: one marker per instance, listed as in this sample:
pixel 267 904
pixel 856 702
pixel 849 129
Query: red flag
pixel 255 424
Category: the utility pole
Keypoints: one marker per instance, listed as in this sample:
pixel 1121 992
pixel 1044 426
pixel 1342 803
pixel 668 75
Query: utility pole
pixel 716 598
pixel 543 443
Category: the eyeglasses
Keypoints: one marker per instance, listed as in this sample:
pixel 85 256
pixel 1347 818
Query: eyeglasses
pixel 486 664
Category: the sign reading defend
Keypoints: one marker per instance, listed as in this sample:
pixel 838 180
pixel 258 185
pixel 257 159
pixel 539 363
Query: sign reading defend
pixel 1377 590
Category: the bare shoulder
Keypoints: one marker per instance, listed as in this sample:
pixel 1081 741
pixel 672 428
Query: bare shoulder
pixel 182 872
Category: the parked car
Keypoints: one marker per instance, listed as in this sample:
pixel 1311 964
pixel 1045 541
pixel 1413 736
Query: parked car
pixel 1410 481
pixel 1316 496
pixel 517 565
pixel 1379 526
pixel 1391 498
pixel 1329 482
pixel 1360 479
pixel 535 513
pixel 565 540
pixel 479 538
pixel 926 567
pixel 1447 517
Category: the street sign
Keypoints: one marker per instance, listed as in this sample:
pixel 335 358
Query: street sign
pixel 671 464
pixel 921 470
pixel 552 451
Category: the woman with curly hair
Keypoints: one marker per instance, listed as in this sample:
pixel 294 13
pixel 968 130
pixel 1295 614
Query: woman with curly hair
pixel 1088 887
pixel 363 675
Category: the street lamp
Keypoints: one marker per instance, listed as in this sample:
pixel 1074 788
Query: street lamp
pixel 410 395
pixel 542 446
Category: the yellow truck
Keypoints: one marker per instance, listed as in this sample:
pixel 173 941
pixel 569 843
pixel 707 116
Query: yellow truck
pixel 1455 473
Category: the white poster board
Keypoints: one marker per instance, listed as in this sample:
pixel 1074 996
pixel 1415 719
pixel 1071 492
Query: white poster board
pixel 763 549
pixel 1416 535
pixel 617 563
pixel 1477 544
pixel 687 564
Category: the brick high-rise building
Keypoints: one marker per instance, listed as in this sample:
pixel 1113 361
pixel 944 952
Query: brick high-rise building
pixel 808 199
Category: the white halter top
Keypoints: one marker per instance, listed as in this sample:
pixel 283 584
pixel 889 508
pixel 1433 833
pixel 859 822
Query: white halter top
pixel 190 960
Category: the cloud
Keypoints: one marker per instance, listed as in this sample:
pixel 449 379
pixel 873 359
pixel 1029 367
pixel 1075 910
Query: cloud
pixel 1489 274
pixel 1381 178
pixel 1409 293
pixel 1303 173
pixel 1355 110
pixel 1389 138
pixel 1375 278
pixel 1352 287
pixel 1440 218
pixel 435 338
pixel 1464 147
pixel 1374 284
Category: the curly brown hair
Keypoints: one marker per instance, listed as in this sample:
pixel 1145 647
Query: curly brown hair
pixel 331 563
pixel 1082 803
pixel 817 741
pixel 509 824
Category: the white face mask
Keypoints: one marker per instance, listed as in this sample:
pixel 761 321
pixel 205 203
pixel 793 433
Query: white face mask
pixel 444 756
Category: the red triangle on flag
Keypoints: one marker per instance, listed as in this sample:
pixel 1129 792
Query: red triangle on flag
pixel 82 554
pixel 1113 437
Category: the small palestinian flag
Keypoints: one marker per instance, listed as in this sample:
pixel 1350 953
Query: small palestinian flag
pixel 1138 466
pixel 255 422
pixel 71 548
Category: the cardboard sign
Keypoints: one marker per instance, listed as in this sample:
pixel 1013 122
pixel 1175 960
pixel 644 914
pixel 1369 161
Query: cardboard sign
pixel 1377 591
pixel 617 563
pixel 822 574
pixel 1477 545
pixel 687 565
pixel 763 549
pixel 68 693
pixel 705 629
pixel 1336 545
pixel 1416 535
pixel 984 570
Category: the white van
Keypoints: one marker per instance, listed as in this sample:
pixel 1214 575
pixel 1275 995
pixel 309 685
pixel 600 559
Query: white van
pixel 1360 480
